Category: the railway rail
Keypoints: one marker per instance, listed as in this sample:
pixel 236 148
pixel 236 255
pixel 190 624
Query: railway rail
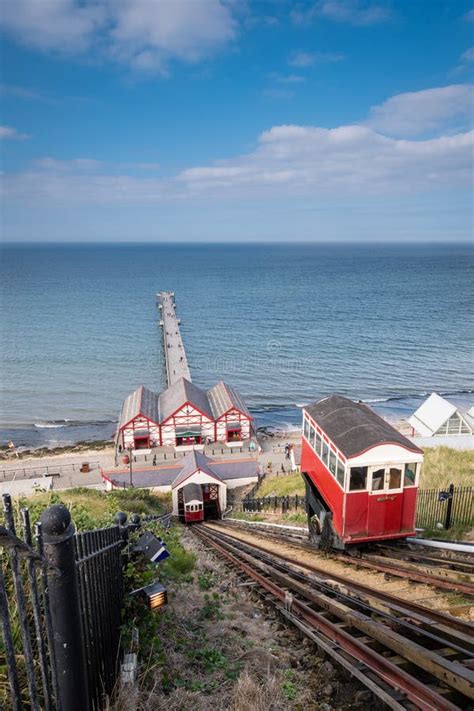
pixel 453 574
pixel 407 655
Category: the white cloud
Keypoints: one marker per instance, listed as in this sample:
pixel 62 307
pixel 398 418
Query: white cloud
pixel 354 12
pixel 469 16
pixel 414 113
pixel 288 162
pixel 52 24
pixel 84 165
pixel 309 59
pixel 9 133
pixel 468 55
pixel 19 92
pixel 278 93
pixel 145 34
pixel 289 79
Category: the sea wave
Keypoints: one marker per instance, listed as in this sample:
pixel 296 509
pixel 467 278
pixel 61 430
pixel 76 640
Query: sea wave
pixel 55 424
pixel 49 425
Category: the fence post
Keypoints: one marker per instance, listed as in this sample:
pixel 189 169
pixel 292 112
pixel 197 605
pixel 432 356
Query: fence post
pixel 63 589
pixel 449 507
pixel 121 521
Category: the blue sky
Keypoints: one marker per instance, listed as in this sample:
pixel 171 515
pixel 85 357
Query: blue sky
pixel 236 120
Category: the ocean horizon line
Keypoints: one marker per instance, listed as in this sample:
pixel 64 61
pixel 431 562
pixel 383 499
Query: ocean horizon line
pixel 223 243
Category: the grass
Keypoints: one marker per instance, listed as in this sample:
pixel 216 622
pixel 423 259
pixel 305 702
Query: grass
pixel 443 466
pixel 91 508
pixel 284 485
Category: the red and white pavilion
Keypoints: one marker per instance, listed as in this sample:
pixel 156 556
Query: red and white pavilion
pixel 183 416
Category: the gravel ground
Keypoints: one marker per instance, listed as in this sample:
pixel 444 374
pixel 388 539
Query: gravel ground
pixel 224 649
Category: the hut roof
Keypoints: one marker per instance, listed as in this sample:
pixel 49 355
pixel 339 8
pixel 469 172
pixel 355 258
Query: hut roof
pixel 193 462
pixel 353 427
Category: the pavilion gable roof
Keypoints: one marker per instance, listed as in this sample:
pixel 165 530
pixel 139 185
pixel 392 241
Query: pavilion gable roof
pixel 178 394
pixel 141 402
pixel 223 397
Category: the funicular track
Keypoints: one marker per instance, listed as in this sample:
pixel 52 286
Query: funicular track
pixel 453 574
pixel 407 655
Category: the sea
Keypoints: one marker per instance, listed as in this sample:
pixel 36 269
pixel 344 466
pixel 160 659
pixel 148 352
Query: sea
pixel 286 324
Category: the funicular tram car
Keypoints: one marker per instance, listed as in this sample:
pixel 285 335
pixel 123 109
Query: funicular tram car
pixel 361 475
pixel 193 503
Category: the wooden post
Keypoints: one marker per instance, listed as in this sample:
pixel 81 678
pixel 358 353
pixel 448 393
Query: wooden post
pixel 449 508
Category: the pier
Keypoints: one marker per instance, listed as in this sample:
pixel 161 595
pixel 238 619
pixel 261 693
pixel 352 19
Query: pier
pixel 176 362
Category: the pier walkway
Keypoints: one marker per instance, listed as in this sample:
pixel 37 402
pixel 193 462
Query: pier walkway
pixel 176 363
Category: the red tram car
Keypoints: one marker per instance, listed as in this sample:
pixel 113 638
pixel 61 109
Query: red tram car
pixel 193 503
pixel 361 475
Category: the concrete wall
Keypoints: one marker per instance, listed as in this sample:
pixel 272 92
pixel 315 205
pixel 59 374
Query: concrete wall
pixel 461 442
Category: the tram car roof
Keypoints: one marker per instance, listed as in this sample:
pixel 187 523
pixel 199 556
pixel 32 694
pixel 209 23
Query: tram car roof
pixel 354 427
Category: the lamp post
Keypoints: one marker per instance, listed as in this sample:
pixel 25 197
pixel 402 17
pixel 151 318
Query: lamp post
pixel 130 449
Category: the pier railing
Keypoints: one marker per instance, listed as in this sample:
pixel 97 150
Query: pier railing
pixel 61 597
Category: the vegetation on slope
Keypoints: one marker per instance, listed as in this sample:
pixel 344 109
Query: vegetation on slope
pixel 444 466
pixel 91 508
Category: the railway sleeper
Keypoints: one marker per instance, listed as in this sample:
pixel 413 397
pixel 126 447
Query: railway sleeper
pixel 390 693
pixel 445 574
pixel 452 673
pixel 378 598
pixel 360 561
pixel 423 631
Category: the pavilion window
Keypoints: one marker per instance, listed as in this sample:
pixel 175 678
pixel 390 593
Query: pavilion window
pixel 332 464
pixel 358 479
pixel 454 424
pixel 311 434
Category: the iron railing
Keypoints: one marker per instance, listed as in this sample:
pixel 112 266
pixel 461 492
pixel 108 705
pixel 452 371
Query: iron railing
pixel 101 591
pixel 61 604
pixel 281 504
pixel 24 587
pixel 447 508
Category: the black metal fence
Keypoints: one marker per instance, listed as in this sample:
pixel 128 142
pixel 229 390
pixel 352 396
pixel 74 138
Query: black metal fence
pixel 101 590
pixel 443 508
pixel 275 504
pixel 446 508
pixel 60 610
